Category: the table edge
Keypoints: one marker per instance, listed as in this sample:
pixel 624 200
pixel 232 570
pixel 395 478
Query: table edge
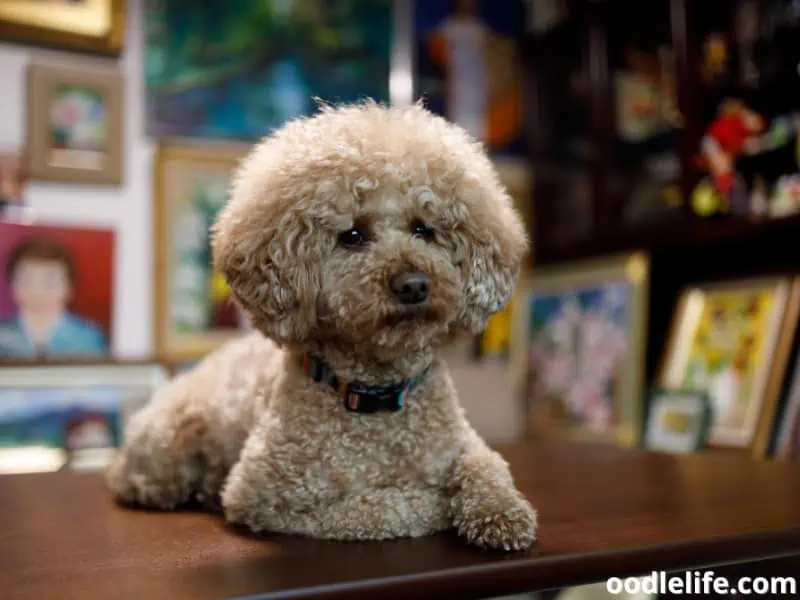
pixel 552 572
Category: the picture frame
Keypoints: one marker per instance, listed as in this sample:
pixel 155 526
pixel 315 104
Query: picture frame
pixel 57 292
pixel 577 349
pixel 75 131
pixel 787 442
pixel 70 414
pixel 290 61
pixel 678 421
pixel 732 339
pixel 94 26
pixel 191 185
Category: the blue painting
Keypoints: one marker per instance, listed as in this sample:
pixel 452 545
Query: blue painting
pixel 469 69
pixel 236 69
pixel 64 417
pixel 579 344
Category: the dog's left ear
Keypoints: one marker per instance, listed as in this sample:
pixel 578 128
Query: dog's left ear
pixel 496 243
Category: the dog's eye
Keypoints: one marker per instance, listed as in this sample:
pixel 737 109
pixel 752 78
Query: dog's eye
pixel 419 229
pixel 353 238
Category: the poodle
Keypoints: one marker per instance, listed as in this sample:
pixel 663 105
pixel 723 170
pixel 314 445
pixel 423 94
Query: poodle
pixel 359 241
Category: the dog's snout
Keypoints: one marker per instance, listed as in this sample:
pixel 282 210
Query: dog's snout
pixel 410 288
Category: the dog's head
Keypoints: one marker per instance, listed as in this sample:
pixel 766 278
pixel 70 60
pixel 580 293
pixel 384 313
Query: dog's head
pixel 380 227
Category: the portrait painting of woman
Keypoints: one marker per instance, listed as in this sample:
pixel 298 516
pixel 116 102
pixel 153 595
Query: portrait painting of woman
pixel 55 297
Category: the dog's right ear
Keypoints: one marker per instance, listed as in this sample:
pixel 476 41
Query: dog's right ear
pixel 268 251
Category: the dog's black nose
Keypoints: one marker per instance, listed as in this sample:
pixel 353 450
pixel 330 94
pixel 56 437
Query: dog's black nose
pixel 410 288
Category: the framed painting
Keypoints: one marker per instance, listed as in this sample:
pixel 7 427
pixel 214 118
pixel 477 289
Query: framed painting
pixel 468 67
pixel 578 348
pixel 74 125
pixel 732 340
pixel 678 421
pixel 69 415
pixel 237 70
pixel 787 444
pixel 56 291
pixel 96 26
pixel 194 310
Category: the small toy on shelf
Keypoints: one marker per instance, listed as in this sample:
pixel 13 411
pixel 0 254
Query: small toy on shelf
pixel 733 133
pixel 786 198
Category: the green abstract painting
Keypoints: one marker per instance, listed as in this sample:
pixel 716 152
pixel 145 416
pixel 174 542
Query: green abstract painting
pixel 236 69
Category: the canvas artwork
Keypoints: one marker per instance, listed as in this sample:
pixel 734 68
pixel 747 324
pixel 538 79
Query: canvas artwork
pixel 725 343
pixel 56 292
pixel 578 348
pixel 239 68
pixel 75 125
pixel 788 442
pixel 70 415
pixel 195 311
pixel 468 67
pixel 67 418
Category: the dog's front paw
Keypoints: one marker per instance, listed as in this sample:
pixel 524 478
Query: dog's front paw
pixel 489 527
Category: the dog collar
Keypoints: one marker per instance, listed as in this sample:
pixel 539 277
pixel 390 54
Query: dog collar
pixel 358 397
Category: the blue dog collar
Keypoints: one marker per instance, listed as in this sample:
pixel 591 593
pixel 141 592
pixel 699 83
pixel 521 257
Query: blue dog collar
pixel 362 398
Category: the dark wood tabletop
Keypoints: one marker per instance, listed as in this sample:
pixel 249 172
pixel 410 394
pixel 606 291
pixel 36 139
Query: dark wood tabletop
pixel 603 512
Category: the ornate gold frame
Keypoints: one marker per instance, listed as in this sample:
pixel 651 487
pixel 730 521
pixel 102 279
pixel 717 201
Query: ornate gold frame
pixel 96 26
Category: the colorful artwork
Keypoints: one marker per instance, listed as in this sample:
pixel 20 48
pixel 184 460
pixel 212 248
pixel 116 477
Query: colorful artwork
pixel 237 69
pixel 788 443
pixel 78 126
pixel 75 125
pixel 469 67
pixel 56 296
pixel 726 343
pixel 678 421
pixel 196 311
pixel 68 418
pixel 578 348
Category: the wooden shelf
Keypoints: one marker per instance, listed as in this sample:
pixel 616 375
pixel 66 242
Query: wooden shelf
pixel 678 237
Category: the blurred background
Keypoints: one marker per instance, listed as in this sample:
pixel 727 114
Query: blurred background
pixel 651 147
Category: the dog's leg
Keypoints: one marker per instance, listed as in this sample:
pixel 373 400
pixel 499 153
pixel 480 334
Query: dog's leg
pixel 169 457
pixel 486 507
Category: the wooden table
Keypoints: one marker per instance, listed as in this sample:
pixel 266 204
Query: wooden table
pixel 604 512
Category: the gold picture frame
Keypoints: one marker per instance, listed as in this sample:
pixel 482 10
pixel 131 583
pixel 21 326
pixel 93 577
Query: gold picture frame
pixel 599 395
pixel 96 26
pixel 732 340
pixel 191 184
pixel 75 125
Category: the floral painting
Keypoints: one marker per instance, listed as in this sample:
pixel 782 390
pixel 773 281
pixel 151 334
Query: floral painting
pixel 236 69
pixel 578 348
pixel 78 126
pixel 728 345
pixel 75 127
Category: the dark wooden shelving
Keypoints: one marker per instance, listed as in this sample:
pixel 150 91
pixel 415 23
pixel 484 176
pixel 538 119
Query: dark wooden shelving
pixel 679 236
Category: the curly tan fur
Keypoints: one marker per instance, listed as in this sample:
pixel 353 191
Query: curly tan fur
pixel 249 430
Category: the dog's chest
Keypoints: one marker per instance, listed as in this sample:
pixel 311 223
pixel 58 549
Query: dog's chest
pixel 415 446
